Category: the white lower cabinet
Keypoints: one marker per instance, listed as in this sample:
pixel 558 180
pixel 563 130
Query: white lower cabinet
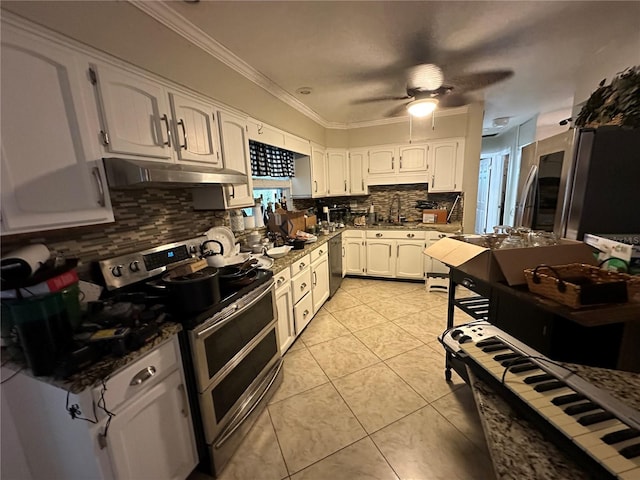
pixel 410 259
pixel 319 277
pixel 152 436
pixel 386 253
pixel 301 293
pixel 303 312
pixel 149 436
pixel 355 253
pixel 381 260
pixel 284 305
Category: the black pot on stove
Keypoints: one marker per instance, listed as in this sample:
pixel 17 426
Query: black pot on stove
pixel 194 292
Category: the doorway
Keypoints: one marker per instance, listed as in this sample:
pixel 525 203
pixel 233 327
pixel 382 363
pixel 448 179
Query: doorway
pixel 492 179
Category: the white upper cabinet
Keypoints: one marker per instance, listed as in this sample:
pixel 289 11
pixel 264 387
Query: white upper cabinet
pixel 135 113
pixel 196 130
pixel 382 160
pixel 357 162
pixel 235 152
pixel 318 172
pixel 413 158
pixel 445 166
pixel 52 176
pixel 337 173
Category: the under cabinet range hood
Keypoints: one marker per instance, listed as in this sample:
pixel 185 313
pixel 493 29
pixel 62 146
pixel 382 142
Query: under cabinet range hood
pixel 123 173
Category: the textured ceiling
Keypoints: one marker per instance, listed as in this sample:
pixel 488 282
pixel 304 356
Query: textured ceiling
pixel 350 51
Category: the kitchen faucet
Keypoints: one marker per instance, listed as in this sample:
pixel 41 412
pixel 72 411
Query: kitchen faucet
pixel 397 218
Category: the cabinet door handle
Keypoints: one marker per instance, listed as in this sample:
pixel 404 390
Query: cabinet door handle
pixel 389 251
pixel 184 133
pixel 233 191
pixel 398 251
pixel 442 235
pixel 378 235
pixel 343 252
pixel 411 235
pixel 362 184
pixel 315 279
pixel 303 286
pixel 392 162
pixel 305 313
pixel 165 119
pixel 400 162
pixel 345 185
pixel 302 265
pixel 142 376
pixel 183 394
pixel 280 281
pixel 315 183
pixel 96 173
pixel 433 181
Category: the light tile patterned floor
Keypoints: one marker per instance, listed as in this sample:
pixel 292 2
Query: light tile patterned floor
pixel 364 397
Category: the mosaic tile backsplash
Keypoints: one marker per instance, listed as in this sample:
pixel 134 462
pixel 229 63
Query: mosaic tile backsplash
pixel 381 195
pixel 145 218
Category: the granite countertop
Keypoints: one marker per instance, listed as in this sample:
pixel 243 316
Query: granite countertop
pixel 100 370
pixel 517 447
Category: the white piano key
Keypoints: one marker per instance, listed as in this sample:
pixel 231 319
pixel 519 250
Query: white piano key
pixel 633 474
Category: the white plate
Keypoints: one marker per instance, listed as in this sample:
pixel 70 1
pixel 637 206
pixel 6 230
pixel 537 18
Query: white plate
pixel 225 236
pixel 264 262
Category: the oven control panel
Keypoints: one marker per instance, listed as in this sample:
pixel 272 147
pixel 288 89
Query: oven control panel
pixel 134 267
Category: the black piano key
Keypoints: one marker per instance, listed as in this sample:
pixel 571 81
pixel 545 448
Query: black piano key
pixel 464 338
pixel 581 408
pixel 543 377
pixel 523 368
pixel 456 333
pixel 513 363
pixel 568 398
pixel 632 451
pixel 506 356
pixel 595 418
pixel 494 348
pixel 547 386
pixel 620 436
pixel 488 341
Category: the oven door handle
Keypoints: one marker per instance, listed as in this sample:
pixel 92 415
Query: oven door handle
pixel 233 313
pixel 235 425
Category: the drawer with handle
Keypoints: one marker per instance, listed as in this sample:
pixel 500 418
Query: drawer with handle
pixel 300 285
pixel 319 252
pixel 299 265
pixel 282 278
pixel 138 376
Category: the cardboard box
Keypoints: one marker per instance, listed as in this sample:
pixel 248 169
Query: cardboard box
pixel 506 265
pixel 434 216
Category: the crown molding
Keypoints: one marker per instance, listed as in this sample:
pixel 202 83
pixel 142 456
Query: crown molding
pixel 183 27
pixel 187 30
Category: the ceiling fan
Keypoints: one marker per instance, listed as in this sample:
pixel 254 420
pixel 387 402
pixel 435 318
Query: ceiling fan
pixel 427 91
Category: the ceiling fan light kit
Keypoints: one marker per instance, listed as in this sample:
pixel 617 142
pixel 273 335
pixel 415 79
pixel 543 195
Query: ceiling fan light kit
pixel 422 107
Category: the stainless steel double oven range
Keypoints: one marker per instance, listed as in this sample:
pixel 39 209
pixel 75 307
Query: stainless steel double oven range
pixel 230 351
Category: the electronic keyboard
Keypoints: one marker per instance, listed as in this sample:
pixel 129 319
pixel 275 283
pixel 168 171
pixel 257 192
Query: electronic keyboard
pixel 598 425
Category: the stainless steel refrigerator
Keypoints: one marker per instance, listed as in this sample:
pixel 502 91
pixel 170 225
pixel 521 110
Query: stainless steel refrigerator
pixel 582 181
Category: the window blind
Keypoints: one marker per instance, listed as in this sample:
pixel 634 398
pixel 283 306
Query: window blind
pixel 268 161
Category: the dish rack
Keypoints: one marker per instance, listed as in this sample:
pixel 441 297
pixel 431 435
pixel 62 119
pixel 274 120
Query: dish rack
pixel 578 285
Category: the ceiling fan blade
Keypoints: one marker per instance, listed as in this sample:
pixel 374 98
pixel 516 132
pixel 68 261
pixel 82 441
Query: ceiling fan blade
pixel 385 98
pixel 476 81
pixel 397 111
pixel 452 100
